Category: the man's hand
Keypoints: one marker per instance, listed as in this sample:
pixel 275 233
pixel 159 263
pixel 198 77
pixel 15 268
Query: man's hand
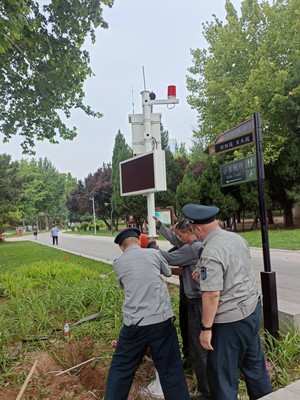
pixel 195 275
pixel 151 243
pixel 205 340
pixel 157 220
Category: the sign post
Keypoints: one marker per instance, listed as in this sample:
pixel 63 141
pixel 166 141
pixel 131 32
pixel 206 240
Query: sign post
pixel 243 170
pixel 268 277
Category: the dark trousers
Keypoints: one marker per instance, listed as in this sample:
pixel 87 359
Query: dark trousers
pixel 183 319
pixel 198 355
pixel 54 239
pixel 132 344
pixel 237 346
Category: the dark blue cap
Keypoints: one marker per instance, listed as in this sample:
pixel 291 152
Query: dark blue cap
pixel 126 233
pixel 198 214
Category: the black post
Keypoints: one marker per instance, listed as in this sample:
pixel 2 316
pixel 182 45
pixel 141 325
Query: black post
pixel 268 278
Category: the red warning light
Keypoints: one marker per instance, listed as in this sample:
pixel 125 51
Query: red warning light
pixel 171 91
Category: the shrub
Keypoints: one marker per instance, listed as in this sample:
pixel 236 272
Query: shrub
pixel 84 225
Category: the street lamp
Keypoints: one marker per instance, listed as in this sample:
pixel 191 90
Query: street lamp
pixel 93 201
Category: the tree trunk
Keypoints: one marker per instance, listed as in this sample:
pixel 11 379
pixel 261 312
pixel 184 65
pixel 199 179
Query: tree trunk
pixel 107 224
pixel 288 214
pixel 270 216
pixel 255 222
pixel 238 216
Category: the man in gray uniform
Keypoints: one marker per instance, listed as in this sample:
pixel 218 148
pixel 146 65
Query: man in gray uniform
pixel 186 256
pixel 231 308
pixel 148 322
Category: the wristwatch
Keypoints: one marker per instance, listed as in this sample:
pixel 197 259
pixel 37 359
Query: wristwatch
pixel 205 328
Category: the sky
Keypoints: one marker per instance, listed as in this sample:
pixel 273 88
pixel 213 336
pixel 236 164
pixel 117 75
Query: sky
pixel 152 36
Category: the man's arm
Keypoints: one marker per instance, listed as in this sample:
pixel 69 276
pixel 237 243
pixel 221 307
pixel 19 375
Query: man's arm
pixel 182 256
pixel 167 233
pixel 210 302
pixel 165 269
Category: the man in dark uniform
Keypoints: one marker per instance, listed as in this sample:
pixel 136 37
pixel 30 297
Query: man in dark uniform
pixel 231 308
pixel 148 322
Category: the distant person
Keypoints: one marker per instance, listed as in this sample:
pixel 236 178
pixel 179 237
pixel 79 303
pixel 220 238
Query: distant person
pixel 231 308
pixel 54 234
pixel 35 230
pixel 148 322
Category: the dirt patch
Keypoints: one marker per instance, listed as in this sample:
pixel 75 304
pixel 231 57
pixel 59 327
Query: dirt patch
pixel 86 382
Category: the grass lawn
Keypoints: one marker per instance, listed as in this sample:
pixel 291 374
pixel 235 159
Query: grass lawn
pixel 14 255
pixel 288 239
pixel 102 232
pixel 41 288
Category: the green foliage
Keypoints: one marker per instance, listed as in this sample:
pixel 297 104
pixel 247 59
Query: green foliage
pixel 284 355
pixel 9 192
pixel 175 168
pixel 52 292
pixel 13 18
pixel 121 152
pixel 278 238
pixel 29 188
pixel 187 191
pixel 41 295
pixel 248 67
pixel 14 255
pixel 43 66
pixel 97 189
pixel 84 225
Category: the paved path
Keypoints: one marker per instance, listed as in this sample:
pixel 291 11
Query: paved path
pixel 285 263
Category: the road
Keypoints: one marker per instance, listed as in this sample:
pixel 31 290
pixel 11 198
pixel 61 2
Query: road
pixel 285 263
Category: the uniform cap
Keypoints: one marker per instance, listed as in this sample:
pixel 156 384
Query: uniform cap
pixel 198 214
pixel 126 233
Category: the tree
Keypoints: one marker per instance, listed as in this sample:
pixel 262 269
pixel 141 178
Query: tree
pixel 32 193
pixel 121 152
pixel 77 201
pixel 175 167
pixel 99 186
pixel 9 192
pixel 30 188
pixel 246 68
pixel 187 191
pixel 43 66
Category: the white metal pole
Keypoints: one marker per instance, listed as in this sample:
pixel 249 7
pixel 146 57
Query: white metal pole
pixel 148 147
pixel 151 212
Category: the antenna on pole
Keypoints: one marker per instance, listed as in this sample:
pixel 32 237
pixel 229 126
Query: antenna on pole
pixel 132 100
pixel 144 78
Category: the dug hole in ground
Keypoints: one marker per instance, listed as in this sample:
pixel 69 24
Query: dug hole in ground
pixel 85 382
